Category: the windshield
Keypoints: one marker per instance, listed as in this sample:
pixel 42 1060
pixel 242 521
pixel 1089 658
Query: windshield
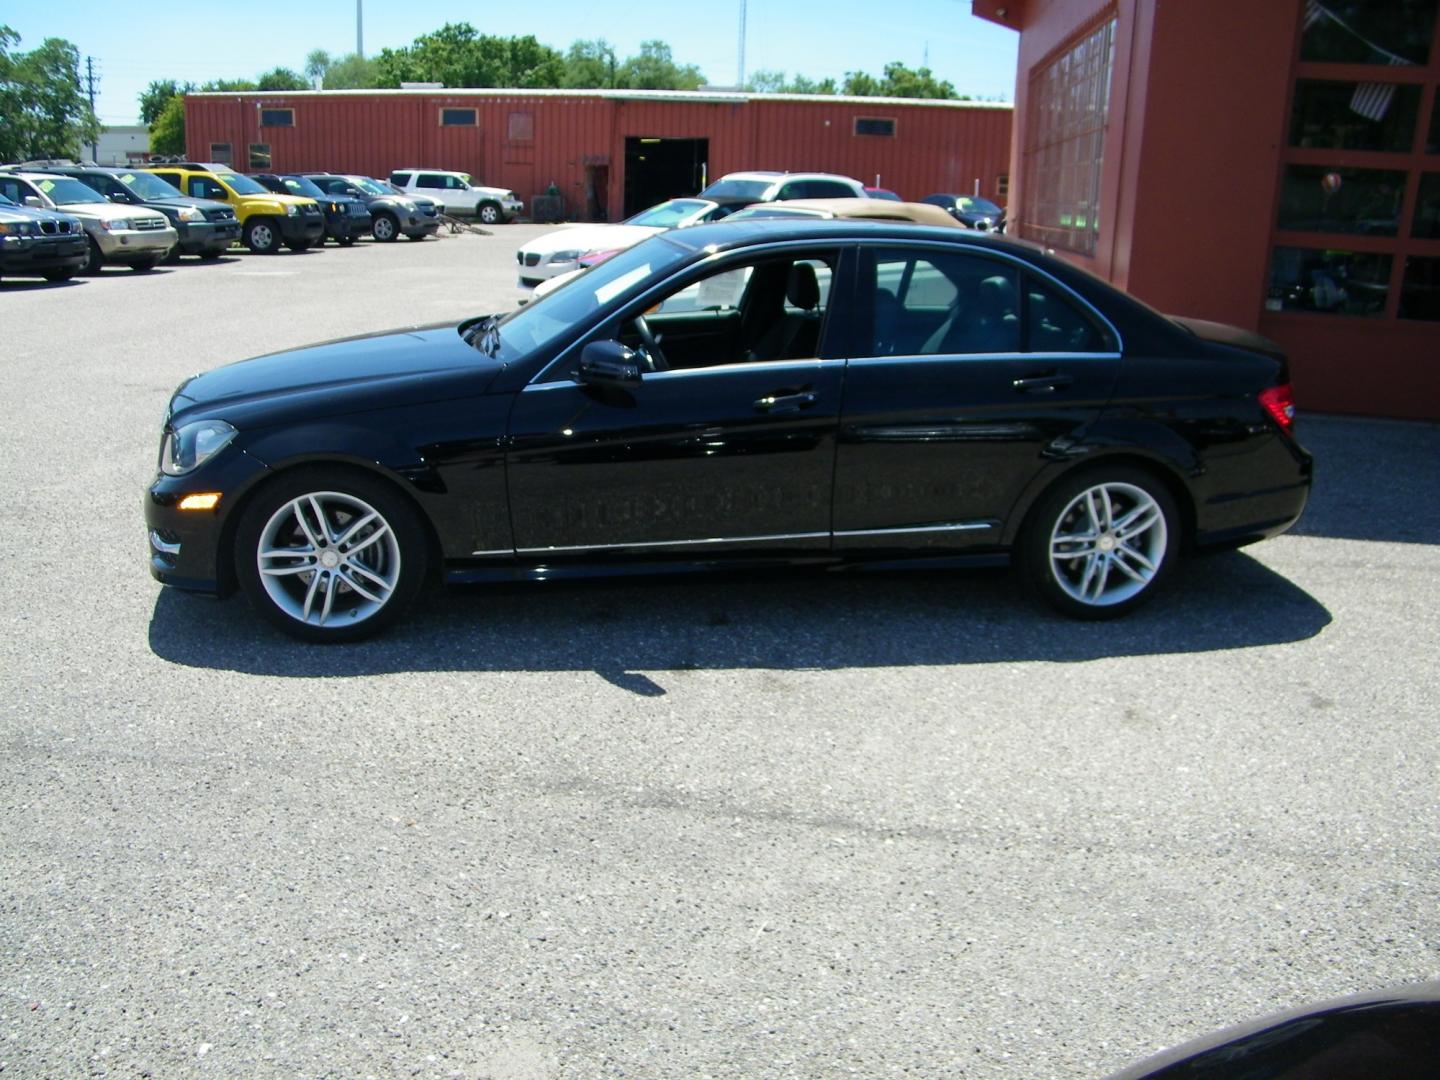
pixel 370 187
pixel 301 185
pixel 147 186
pixel 769 211
pixel 68 192
pixel 387 188
pixel 971 205
pixel 541 321
pixel 737 189
pixel 242 185
pixel 668 214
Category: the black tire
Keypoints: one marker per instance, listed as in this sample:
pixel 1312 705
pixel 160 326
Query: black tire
pixel 94 259
pixel 60 274
pixel 208 255
pixel 1100 542
pixel 299 245
pixel 262 236
pixel 355 589
pixel 489 213
pixel 416 236
pixel 346 241
pixel 143 265
pixel 385 227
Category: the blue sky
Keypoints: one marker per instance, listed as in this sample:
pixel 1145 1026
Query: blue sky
pixel 135 43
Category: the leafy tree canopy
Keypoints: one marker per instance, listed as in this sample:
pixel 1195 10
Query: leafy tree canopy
pixel 897 81
pixel 352 72
pixel 458 55
pixel 42 111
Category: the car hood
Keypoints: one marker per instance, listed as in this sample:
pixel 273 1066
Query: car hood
pixel 106 211
pixel 392 368
pixel 493 192
pixel 590 238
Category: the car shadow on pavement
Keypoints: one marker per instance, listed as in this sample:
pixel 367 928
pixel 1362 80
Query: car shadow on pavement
pixel 812 620
pixel 1374 480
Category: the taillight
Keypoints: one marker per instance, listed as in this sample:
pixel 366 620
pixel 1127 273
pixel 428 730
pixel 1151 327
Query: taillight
pixel 1279 402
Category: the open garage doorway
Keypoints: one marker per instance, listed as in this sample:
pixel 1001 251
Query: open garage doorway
pixel 660 169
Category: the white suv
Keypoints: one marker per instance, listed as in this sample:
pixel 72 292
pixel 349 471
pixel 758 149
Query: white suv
pixel 772 186
pixel 455 192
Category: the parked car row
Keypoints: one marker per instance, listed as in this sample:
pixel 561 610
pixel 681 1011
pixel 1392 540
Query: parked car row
pixel 61 218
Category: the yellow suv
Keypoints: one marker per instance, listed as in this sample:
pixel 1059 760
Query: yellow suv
pixel 267 220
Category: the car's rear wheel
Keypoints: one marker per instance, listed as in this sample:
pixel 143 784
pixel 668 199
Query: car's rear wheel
pixel 143 265
pixel 488 213
pixel 385 228
pixel 1099 543
pixel 346 241
pixel 61 274
pixel 330 555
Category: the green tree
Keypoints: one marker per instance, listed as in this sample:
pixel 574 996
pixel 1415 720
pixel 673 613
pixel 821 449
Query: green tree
pixel 167 132
pixel 352 72
pixel 157 95
pixel 900 81
pixel 589 65
pixel 317 63
pixel 282 78
pixel 774 82
pixel 42 112
pixel 229 85
pixel 655 69
pixel 457 55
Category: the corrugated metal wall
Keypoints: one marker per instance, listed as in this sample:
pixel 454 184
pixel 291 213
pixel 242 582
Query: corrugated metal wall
pixel 526 140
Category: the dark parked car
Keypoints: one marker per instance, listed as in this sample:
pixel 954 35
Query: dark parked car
pixel 206 227
pixel 40 243
pixel 347 218
pixel 768 392
pixel 970 210
pixel 1390 1034
pixel 392 214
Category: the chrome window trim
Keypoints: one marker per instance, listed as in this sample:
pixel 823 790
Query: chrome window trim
pixel 708 541
pixel 492 551
pixel 812 364
pixel 983 252
pixel 930 358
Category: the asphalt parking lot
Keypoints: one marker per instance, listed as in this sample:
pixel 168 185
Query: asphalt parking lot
pixel 796 826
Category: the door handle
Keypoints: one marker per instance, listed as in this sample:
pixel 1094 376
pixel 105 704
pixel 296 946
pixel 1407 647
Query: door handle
pixel 775 404
pixel 1042 384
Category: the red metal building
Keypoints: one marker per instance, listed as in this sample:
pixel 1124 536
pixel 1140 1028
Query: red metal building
pixel 610 153
pixel 1271 164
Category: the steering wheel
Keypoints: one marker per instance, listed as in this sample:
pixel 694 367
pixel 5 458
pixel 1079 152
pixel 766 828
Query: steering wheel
pixel 651 356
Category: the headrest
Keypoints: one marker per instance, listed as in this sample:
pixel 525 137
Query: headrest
pixel 802 289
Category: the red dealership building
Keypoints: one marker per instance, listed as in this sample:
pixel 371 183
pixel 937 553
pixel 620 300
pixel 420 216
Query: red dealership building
pixel 1269 163
pixel 609 152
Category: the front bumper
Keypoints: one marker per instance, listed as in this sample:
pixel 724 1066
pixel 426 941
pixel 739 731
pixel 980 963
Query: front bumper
pixel 346 224
pixel 512 208
pixel 189 549
pixel 535 267
pixel 135 245
pixel 302 228
pixel 35 254
pixel 420 223
pixel 202 237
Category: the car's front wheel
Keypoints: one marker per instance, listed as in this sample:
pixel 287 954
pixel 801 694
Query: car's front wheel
pixel 488 213
pixel 330 555
pixel 1099 543
pixel 385 228
pixel 262 237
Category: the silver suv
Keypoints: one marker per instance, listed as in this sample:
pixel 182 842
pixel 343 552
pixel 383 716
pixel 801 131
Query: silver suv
pixel 455 192
pixel 132 235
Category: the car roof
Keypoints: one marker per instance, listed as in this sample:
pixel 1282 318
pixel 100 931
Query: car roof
pixel 867 210
pixel 729 233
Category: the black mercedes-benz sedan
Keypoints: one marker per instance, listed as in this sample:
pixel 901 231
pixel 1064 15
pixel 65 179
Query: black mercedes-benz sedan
pixel 769 392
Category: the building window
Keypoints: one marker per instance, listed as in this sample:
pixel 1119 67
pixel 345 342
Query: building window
pixel 521 127
pixel 459 117
pixel 259 157
pixel 220 153
pixel 277 117
pixel 1002 186
pixel 1347 240
pixel 1065 143
pixel 882 126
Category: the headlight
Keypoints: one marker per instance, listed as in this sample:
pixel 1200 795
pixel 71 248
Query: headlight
pixel 117 226
pixel 191 213
pixel 17 228
pixel 291 210
pixel 334 207
pixel 188 447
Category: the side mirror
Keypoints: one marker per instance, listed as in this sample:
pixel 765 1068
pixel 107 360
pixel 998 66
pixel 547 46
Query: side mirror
pixel 608 363
pixel 122 197
pixel 35 201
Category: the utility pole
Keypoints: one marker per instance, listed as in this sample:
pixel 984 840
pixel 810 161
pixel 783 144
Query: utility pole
pixel 90 84
pixel 360 28
pixel 741 84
